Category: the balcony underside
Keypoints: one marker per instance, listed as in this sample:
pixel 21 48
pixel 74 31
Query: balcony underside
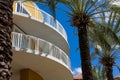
pixel 41 30
pixel 47 68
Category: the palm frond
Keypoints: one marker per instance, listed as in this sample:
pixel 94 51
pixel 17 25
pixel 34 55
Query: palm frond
pixel 99 38
pixel 117 26
pixel 99 73
pixel 86 6
pixel 96 8
pixel 110 18
pixel 91 5
pixel 98 12
pixel 116 65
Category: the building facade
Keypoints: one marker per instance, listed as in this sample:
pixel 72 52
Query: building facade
pixel 40 46
pixel 78 77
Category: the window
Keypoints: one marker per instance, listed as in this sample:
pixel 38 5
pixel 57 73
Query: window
pixel 16 29
pixel 21 9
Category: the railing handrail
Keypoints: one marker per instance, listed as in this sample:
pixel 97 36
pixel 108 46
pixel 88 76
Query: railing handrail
pixel 56 25
pixel 36 45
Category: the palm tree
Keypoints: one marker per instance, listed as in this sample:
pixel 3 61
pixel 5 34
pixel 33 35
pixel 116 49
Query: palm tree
pixel 107 59
pixel 83 13
pixel 107 41
pixel 5 39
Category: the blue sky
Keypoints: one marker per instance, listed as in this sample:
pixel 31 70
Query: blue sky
pixel 63 18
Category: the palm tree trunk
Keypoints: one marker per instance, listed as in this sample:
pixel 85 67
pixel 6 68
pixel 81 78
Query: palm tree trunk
pixel 5 39
pixel 109 71
pixel 85 53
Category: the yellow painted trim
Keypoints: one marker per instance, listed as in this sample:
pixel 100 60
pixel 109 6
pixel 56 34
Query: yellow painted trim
pixel 28 74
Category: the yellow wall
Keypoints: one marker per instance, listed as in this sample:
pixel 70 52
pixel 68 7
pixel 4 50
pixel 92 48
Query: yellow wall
pixel 28 74
pixel 14 6
pixel 33 10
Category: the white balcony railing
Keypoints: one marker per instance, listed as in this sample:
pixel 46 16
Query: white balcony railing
pixel 39 47
pixel 35 14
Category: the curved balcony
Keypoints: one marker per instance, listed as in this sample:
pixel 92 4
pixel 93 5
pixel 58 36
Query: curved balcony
pixel 21 9
pixel 37 46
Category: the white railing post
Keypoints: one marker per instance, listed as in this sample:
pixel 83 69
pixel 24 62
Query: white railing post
pixel 25 42
pixel 18 40
pixel 47 18
pixel 21 7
